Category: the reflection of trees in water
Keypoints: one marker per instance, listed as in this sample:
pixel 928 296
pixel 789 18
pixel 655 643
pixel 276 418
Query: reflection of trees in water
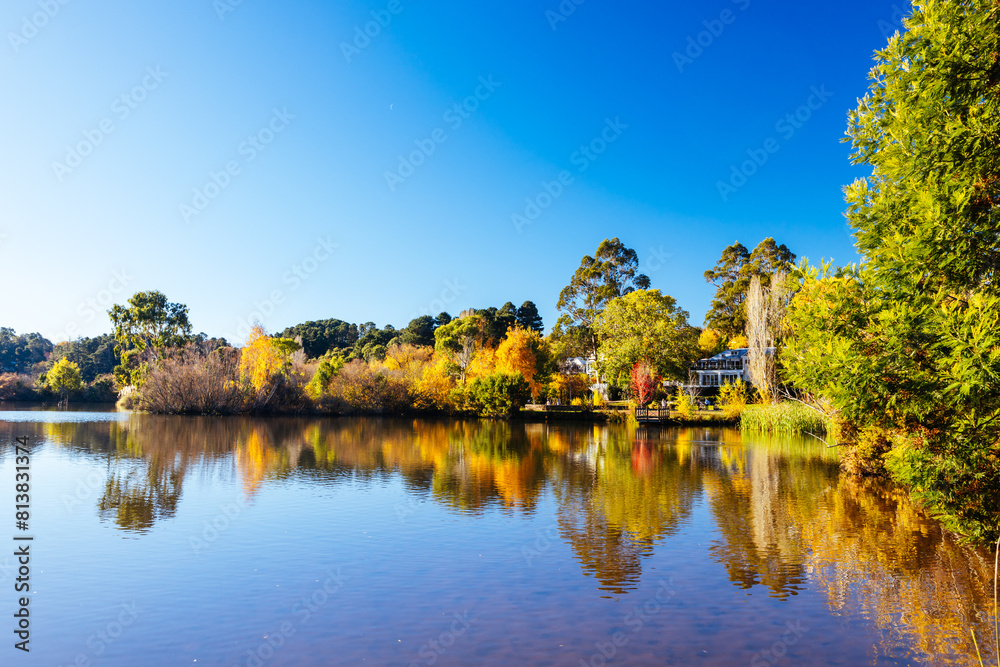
pixel 875 554
pixel 134 498
pixel 617 495
pixel 606 552
pixel 749 492
pixel 789 520
pixel 786 517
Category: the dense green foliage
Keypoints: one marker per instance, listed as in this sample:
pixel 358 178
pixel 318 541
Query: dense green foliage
pixel 457 342
pixel 500 394
pixel 331 336
pixel 373 342
pixel 645 326
pixel 612 272
pixel 732 275
pixel 420 331
pixel 20 353
pixel 94 356
pixel 528 317
pixel 905 348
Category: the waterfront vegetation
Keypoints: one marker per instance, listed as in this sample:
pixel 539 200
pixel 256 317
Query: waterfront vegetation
pixel 895 359
pixel 783 417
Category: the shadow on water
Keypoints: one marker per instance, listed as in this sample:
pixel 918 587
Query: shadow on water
pixel 784 519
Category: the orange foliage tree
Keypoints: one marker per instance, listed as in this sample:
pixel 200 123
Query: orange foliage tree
pixel 521 352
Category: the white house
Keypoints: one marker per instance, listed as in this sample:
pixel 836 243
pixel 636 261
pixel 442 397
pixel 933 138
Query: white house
pixel 724 368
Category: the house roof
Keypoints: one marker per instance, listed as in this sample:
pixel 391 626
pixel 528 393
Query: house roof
pixel 726 355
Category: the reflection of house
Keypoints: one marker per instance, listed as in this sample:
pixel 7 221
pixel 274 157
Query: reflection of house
pixel 724 368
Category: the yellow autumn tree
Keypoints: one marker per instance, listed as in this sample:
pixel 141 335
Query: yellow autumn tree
pixel 517 353
pixel 264 359
pixel 738 342
pixel 434 386
pixel 483 363
pixel 408 359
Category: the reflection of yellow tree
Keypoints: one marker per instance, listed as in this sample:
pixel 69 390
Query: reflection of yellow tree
pixel 788 518
pixel 875 553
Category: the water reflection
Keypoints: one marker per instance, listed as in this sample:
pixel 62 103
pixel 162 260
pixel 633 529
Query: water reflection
pixel 784 520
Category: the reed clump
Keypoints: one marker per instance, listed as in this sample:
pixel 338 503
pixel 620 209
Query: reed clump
pixel 785 417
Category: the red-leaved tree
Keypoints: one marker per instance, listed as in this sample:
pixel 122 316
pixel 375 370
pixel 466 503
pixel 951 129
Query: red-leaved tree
pixel 643 382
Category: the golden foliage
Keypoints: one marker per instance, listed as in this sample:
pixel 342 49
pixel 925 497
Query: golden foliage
pixel 516 354
pixel 261 360
pixel 434 386
pixel 483 363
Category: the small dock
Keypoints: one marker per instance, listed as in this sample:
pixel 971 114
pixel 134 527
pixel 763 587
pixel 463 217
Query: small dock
pixel 652 415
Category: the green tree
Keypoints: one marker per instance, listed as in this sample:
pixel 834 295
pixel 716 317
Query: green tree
pixel 420 331
pixel 324 336
pixel 20 353
pixel 612 272
pixel 458 341
pixel 500 394
pixel 64 379
pixel 731 276
pixel 95 356
pixel 144 330
pixel 528 317
pixel 373 342
pixel 496 322
pixel 905 348
pixel 645 325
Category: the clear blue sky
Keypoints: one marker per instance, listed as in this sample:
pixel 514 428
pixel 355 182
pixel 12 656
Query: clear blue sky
pixel 201 78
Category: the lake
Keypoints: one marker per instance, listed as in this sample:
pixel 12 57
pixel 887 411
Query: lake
pixel 300 541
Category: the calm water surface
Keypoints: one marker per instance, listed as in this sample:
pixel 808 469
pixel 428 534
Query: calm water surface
pixel 232 541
